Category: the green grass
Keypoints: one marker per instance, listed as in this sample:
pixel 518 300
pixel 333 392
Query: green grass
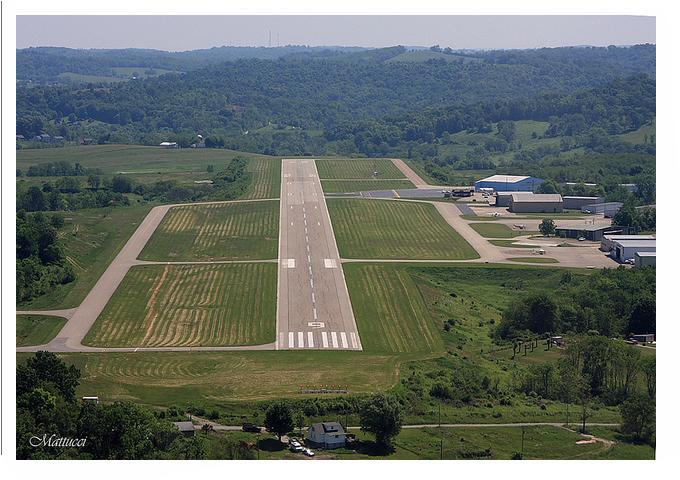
pixel 638 136
pixel 394 230
pixel 91 239
pixel 543 442
pixel 81 78
pixel 357 168
pixel 390 312
pixel 426 55
pixel 534 260
pixel 37 329
pixel 498 230
pixel 220 231
pixel 190 305
pixel 338 186
pixel 134 159
pixel 510 243
pixel 220 379
pixel 266 178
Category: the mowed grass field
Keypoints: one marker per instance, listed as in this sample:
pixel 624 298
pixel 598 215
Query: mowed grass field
pixel 339 186
pixel 190 305
pixel 215 378
pixel 390 312
pixel 218 231
pixel 357 168
pixel 387 229
pixel 265 178
pixel 133 158
pixel 92 238
pixel 37 329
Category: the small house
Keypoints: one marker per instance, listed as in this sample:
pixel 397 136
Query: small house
pixel 327 435
pixel 186 428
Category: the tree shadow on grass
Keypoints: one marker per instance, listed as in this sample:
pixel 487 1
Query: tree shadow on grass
pixel 371 449
pixel 271 445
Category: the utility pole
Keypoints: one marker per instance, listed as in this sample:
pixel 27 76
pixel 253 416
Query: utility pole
pixel 523 430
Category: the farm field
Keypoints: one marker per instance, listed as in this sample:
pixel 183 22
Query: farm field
pixel 92 238
pixel 339 186
pixel 394 230
pixel 190 305
pixel 219 231
pixel 357 168
pixel 37 329
pixel 498 230
pixel 390 312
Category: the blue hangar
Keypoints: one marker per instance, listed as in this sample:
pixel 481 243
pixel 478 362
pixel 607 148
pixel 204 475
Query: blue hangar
pixel 509 183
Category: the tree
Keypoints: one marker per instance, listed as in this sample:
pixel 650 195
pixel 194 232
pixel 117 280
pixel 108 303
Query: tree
pixel 94 181
pixel 381 416
pixel 638 417
pixel 547 227
pixel 46 370
pixel 279 419
pixel 643 316
pixel 648 367
pixel 121 184
pixel 300 420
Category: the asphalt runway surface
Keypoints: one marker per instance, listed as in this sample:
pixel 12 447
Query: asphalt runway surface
pixel 313 307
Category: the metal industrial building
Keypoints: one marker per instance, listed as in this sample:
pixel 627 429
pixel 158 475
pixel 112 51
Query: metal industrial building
pixel 645 259
pixel 593 233
pixel 503 199
pixel 624 250
pixel 609 209
pixel 535 203
pixel 608 241
pixel 576 203
pixel 509 183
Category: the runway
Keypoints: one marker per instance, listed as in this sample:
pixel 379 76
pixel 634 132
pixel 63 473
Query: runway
pixel 313 305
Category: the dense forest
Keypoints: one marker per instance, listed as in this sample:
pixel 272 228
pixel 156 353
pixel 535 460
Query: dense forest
pixel 382 102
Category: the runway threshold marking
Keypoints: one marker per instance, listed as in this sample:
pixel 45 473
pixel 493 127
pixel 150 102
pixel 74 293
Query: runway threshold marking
pixel 343 338
pixel 310 339
pixel 301 339
pixel 324 339
pixel 353 339
pixel 334 339
pixel 291 340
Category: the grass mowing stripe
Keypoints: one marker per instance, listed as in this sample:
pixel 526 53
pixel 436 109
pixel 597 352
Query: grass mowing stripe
pixel 238 231
pixel 175 309
pixel 394 230
pixel 359 168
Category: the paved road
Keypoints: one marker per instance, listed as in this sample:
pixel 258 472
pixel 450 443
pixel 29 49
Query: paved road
pixel 313 307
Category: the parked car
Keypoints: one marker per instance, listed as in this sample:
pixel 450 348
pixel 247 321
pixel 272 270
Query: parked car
pixel 251 427
pixel 581 239
pixel 296 448
pixel 308 452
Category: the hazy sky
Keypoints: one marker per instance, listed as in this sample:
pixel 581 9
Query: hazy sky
pixel 194 32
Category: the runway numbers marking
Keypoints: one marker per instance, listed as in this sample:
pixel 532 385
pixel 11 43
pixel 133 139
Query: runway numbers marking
pixel 301 340
pixel 290 263
pixel 329 263
pixel 316 324
pixel 343 338
pixel 291 340
pixel 334 339
pixel 310 339
pixel 324 339
pixel 353 338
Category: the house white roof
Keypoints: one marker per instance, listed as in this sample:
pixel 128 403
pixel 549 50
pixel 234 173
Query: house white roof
pixel 646 254
pixel 536 197
pixel 504 178
pixel 630 237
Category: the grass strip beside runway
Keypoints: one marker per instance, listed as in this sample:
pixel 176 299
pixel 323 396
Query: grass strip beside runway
pixel 190 305
pixel 385 229
pixel 228 231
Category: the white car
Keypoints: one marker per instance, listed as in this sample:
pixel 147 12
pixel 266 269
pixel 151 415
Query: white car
pixel 297 448
pixel 581 239
pixel 308 452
